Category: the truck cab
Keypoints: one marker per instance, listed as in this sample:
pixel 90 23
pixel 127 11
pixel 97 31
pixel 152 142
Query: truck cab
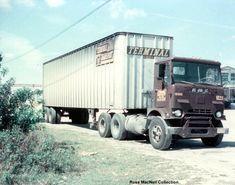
pixel 188 102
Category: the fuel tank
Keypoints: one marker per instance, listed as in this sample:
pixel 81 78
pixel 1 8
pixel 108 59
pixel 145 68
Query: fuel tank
pixel 137 124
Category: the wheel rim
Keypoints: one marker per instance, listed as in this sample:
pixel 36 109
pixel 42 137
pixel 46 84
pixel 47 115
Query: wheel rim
pixel 156 133
pixel 102 126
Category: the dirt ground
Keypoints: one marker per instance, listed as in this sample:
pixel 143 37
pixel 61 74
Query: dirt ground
pixel 111 162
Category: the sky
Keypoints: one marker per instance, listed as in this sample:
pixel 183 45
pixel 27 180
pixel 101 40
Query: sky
pixel 201 28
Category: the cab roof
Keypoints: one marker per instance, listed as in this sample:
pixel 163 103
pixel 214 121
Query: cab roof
pixel 185 59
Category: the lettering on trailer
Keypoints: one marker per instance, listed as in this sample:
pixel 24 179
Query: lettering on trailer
pixel 104 52
pixel 148 52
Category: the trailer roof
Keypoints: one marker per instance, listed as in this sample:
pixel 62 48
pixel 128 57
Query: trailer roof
pixel 187 59
pixel 100 40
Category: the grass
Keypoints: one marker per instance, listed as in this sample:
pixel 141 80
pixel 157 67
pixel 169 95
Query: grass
pixel 35 158
pixel 106 163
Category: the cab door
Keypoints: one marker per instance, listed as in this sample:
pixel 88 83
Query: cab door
pixel 162 83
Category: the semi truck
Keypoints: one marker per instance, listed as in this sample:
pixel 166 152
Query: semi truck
pixel 136 86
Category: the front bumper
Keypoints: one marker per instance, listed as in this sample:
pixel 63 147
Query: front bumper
pixel 197 132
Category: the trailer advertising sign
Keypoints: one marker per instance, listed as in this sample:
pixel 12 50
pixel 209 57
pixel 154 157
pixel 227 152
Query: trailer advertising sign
pixel 104 52
pixel 148 52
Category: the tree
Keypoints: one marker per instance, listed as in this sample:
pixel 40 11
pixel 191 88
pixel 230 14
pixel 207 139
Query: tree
pixel 16 108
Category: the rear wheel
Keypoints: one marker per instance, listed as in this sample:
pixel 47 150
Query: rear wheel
pixel 159 136
pixel 54 117
pixel 214 141
pixel 46 114
pixel 118 127
pixel 104 124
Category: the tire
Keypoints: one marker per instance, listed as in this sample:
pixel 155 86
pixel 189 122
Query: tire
pixel 58 118
pixel 46 114
pixel 54 117
pixel 104 123
pixel 118 130
pixel 214 141
pixel 159 136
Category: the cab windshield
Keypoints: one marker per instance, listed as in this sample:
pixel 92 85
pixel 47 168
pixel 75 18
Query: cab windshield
pixel 192 72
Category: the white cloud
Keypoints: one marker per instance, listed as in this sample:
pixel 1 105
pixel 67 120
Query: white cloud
pixel 5 4
pixel 28 3
pixel 26 69
pixel 54 3
pixel 118 9
pixel 133 13
pixel 13 46
pixel 233 37
pixel 8 4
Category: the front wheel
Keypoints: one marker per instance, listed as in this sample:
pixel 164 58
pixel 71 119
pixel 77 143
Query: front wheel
pixel 214 141
pixel 159 136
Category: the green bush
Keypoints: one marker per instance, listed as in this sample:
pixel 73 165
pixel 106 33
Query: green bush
pixel 26 157
pixel 18 107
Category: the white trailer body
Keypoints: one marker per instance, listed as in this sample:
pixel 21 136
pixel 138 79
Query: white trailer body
pixel 115 72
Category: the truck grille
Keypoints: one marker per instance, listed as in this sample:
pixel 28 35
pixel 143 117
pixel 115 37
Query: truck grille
pixel 198 122
pixel 201 111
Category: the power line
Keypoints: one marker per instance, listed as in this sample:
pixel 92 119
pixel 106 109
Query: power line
pixel 60 33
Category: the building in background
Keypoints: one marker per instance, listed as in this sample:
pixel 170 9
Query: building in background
pixel 30 86
pixel 228 79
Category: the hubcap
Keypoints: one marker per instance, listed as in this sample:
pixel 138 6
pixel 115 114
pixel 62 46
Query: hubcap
pixel 157 133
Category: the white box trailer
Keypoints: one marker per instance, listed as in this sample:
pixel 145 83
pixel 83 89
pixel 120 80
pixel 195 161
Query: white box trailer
pixel 115 72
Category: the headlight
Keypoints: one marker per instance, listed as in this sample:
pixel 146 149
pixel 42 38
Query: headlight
pixel 218 114
pixel 177 113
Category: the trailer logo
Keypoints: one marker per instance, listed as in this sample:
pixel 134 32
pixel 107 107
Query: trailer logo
pixel 161 95
pixel 148 52
pixel 104 52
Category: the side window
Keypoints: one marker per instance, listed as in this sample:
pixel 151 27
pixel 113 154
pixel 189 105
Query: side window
pixel 164 72
pixel 161 71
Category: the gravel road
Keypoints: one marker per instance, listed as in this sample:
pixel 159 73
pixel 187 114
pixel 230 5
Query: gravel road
pixel 199 164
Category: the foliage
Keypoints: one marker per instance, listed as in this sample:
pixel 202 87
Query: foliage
pixel 18 107
pixel 28 155
pixel 25 157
